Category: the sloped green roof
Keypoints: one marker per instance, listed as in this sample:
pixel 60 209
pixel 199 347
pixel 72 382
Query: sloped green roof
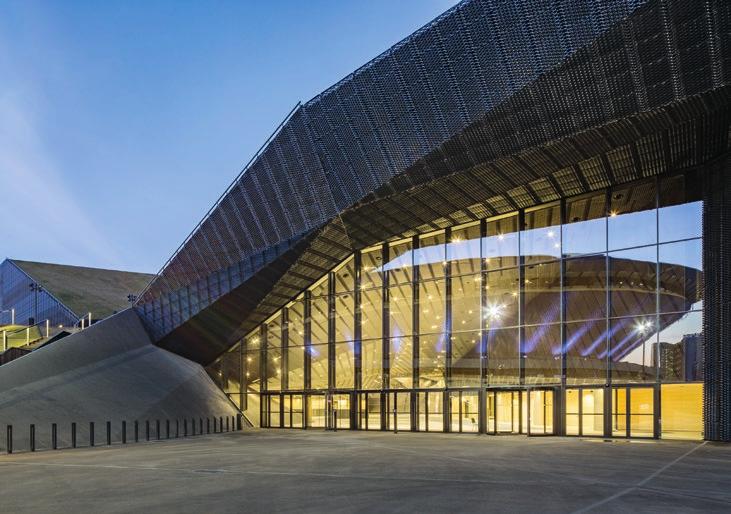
pixel 99 291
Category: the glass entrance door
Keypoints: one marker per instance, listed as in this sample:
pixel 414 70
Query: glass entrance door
pixel 528 412
pixel 463 411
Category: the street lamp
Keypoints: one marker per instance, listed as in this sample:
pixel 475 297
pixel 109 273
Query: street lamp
pixel 35 288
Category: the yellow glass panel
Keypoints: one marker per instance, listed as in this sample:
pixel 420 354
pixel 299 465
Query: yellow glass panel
pixel 593 411
pixel 682 411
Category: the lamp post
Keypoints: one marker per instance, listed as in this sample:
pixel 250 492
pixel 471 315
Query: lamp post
pixel 35 288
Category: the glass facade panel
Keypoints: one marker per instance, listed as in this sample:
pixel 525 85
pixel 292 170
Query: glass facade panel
pixel 400 305
pixel 319 320
pixel 503 298
pixel 549 299
pixel 641 413
pixel 585 287
pixel 296 324
pixel 631 345
pixel 592 414
pixel 680 347
pixel 399 411
pixel 344 317
pixel 680 215
pixel 463 250
pixel 503 356
pixel 296 367
pixel 432 360
pixel 585 230
pixel 542 349
pixel 632 216
pixel 274 369
pixel 633 282
pixel 542 286
pixel 316 411
pixel 400 262
pixel 431 257
pixel 371 364
pixel 371 268
pixel 371 313
pixel 681 276
pixel 500 247
pixel 586 352
pixel 344 276
pixel 318 366
pixel 466 303
pixel 344 366
pixel 465 359
pixel 432 307
pixel 401 359
pixel 682 411
pixel 540 241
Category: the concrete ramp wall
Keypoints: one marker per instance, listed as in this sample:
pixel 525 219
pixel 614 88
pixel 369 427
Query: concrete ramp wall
pixel 110 372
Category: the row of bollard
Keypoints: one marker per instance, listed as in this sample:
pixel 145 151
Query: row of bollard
pixel 231 423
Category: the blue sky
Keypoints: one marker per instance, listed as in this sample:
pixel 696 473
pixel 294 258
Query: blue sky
pixel 122 122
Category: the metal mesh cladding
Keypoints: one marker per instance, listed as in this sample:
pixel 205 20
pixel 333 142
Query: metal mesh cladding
pixel 371 126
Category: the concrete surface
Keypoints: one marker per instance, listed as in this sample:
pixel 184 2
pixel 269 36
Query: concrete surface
pixel 108 372
pixel 314 471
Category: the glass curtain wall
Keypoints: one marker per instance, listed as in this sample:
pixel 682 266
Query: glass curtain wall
pixel 588 292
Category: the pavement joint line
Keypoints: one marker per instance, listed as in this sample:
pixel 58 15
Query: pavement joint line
pixel 280 473
pixel 640 484
pixel 684 495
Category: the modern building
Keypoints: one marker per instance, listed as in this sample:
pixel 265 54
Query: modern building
pixel 515 220
pixel 33 292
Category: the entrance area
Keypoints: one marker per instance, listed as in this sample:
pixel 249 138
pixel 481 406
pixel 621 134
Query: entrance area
pixel 529 412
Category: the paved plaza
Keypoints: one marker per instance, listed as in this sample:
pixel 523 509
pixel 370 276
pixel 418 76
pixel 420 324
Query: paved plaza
pixel 315 471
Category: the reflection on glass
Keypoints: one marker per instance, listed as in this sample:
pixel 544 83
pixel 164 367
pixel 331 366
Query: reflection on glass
pixel 681 276
pixel 585 283
pixel 632 216
pixel 631 346
pixel 432 307
pixel 542 285
pixel 680 350
pixel 252 371
pixel 401 358
pixel 542 348
pixel 680 215
pixel 633 281
pixel 431 257
pixel 586 351
pixel 541 239
pixel 503 356
pixel 274 331
pixel 585 230
pixel 500 247
pixel 463 249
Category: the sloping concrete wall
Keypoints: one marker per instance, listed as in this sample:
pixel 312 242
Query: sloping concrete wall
pixel 108 372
